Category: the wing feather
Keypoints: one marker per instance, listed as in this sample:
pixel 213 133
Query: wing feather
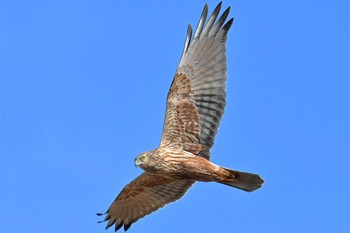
pixel 197 96
pixel 201 21
pixel 212 19
pixel 144 195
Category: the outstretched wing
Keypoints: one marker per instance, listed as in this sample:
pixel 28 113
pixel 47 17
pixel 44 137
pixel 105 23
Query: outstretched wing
pixel 196 99
pixel 144 195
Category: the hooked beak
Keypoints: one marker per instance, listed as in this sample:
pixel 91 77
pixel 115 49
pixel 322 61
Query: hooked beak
pixel 137 162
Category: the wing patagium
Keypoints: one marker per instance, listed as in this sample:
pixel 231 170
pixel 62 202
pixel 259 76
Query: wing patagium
pixel 203 68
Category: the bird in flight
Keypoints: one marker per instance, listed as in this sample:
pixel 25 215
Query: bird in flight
pixel 194 108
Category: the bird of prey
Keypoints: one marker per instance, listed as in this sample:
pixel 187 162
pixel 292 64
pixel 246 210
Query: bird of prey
pixel 194 107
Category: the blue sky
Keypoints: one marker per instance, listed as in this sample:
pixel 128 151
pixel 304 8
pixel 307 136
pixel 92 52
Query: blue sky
pixel 82 92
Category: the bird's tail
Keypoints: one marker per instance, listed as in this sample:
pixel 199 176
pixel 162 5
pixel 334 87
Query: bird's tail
pixel 242 180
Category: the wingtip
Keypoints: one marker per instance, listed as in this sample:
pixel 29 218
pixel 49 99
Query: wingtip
pixel 218 7
pixel 205 7
pixel 118 226
pixel 205 12
pixel 228 9
pixel 201 22
pixel 127 226
pixel 189 29
pixel 228 24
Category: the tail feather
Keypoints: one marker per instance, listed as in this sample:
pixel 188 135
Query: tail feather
pixel 243 180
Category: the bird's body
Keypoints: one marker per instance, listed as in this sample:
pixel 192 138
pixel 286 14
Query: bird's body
pixel 195 105
pixel 180 164
pixel 183 165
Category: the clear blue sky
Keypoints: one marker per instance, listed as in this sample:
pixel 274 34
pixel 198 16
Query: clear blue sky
pixel 82 92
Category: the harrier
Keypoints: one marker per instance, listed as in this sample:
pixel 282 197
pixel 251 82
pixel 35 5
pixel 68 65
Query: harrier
pixel 195 105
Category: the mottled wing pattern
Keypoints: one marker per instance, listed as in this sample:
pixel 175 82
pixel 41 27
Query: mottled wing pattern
pixel 196 99
pixel 142 196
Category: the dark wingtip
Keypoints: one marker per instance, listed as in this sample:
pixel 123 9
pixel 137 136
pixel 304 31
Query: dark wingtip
pixel 218 7
pixel 205 7
pixel 216 11
pixel 117 227
pixel 99 214
pixel 127 226
pixel 228 25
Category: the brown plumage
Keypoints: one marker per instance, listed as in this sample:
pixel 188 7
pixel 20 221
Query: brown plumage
pixel 195 105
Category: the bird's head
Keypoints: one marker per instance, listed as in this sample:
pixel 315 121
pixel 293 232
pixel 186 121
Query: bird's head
pixel 142 160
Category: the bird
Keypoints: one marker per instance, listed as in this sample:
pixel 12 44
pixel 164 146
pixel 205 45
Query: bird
pixel 194 107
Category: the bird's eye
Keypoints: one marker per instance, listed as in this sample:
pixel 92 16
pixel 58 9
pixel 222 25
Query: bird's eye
pixel 142 158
